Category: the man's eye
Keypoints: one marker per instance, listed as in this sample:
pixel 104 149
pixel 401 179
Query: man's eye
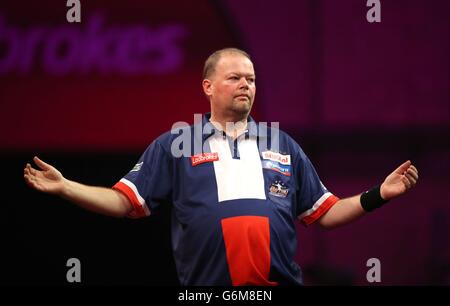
pixel 234 78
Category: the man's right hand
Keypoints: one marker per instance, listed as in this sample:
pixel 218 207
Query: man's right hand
pixel 101 200
pixel 48 179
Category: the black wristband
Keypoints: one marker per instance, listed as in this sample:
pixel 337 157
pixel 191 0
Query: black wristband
pixel 372 199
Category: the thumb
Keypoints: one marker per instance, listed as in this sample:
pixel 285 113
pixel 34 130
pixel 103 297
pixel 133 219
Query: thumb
pixel 403 167
pixel 41 164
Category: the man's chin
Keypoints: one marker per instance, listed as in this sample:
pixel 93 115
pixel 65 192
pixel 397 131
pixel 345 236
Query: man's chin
pixel 243 108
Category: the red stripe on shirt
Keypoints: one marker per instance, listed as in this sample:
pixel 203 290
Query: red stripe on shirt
pixel 247 244
pixel 129 193
pixel 323 208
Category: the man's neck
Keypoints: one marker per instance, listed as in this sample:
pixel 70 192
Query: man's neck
pixel 232 127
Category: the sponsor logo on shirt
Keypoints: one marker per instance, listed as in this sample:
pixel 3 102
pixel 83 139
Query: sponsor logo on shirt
pixel 278 189
pixel 204 158
pixel 276 166
pixel 274 156
pixel 137 167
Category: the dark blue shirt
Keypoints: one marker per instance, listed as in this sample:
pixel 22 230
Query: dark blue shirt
pixel 234 202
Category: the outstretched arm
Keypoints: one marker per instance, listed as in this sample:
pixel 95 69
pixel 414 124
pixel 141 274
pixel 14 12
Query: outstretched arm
pixel 349 209
pixel 101 200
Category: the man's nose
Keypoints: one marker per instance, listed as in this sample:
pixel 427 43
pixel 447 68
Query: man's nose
pixel 243 83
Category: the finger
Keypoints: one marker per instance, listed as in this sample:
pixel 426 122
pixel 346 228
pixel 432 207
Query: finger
pixel 406 182
pixel 29 177
pixel 31 170
pixel 414 168
pixel 403 167
pixel 41 164
pixel 411 179
pixel 27 169
pixel 413 173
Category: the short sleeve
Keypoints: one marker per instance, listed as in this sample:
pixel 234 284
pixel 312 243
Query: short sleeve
pixel 313 198
pixel 149 183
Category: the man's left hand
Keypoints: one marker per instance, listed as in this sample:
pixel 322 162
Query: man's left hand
pixel 400 181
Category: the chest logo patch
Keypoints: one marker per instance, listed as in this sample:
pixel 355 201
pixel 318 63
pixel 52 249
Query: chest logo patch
pixel 277 157
pixel 276 166
pixel 278 189
pixel 204 158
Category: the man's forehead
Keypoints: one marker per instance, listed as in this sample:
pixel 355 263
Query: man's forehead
pixel 235 63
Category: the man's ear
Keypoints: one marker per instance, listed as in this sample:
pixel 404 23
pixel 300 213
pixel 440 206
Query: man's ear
pixel 207 87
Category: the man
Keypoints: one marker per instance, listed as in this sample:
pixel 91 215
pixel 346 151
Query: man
pixel 234 201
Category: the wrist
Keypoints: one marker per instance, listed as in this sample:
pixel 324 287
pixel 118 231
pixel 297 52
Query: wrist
pixel 64 192
pixel 372 199
pixel 383 193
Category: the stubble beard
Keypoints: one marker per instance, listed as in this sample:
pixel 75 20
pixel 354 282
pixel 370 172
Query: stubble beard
pixel 242 108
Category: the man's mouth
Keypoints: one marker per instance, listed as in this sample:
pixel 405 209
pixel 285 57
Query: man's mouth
pixel 243 96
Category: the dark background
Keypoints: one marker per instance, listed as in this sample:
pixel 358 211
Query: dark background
pixel 359 97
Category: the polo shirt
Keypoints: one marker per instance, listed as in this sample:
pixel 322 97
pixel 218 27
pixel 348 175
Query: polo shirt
pixel 234 202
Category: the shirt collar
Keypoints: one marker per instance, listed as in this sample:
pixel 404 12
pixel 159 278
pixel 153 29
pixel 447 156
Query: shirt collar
pixel 210 129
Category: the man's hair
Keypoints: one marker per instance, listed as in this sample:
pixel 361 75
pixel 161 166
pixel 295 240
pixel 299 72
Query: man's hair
pixel 213 59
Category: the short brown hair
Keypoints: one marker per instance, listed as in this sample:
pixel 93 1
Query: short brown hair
pixel 213 59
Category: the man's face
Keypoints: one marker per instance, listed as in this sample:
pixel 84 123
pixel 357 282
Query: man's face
pixel 231 87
